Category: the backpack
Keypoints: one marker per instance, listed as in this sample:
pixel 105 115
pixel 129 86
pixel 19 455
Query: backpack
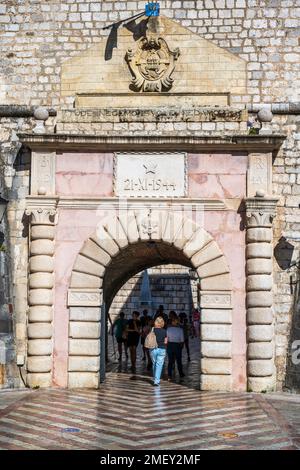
pixel 150 341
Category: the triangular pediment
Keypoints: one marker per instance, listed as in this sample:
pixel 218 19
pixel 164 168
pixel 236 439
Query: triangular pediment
pixel 201 69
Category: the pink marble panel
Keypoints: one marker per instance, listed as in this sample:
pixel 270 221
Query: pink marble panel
pixel 216 186
pixel 84 174
pixel 225 228
pixel 217 175
pixel 73 228
pixel 218 163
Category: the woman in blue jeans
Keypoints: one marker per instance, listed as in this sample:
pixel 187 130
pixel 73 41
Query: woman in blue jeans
pixel 158 354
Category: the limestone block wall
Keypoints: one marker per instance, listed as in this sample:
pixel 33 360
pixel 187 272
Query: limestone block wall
pixel 170 286
pixel 264 34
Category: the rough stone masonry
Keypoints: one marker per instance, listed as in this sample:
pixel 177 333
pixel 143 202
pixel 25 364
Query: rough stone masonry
pixel 38 37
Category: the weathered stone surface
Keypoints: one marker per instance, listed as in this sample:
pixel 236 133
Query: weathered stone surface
pixel 86 314
pixel 83 280
pixel 41 380
pixel 41 263
pixel 88 266
pixel 42 232
pixel 216 316
pixel 213 268
pixel 39 347
pixel 42 247
pixel 84 329
pixel 84 363
pixel 260 332
pixel 215 332
pixel 261 384
pixel 260 367
pixel 259 266
pixel 84 347
pixel 216 382
pixel 40 297
pixel 260 350
pixel 93 251
pixel 259 282
pixel 220 282
pixel 39 330
pixel 258 315
pixel 217 349
pixel 196 242
pixel 106 242
pixel 41 280
pixel 259 234
pixel 259 250
pixel 216 366
pixel 40 313
pixel 259 299
pixel 39 364
pixel 207 253
pixel 83 380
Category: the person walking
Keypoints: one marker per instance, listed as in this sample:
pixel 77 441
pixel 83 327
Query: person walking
pixel 158 354
pixel 145 331
pixel 175 343
pixel 186 332
pixel 119 329
pixel 196 322
pixel 144 322
pixel 133 337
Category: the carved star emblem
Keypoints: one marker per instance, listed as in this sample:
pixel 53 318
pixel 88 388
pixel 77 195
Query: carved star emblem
pixel 150 167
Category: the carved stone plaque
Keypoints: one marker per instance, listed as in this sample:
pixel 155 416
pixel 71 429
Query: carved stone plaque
pixel 215 299
pixel 88 298
pixel 150 175
pixel 43 172
pixel 259 176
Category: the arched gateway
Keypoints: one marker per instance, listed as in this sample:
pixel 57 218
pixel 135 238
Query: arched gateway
pixel 121 247
pixel 117 184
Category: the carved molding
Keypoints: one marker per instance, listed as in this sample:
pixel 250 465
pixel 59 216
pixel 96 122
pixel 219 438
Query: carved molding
pixel 84 298
pixel 152 64
pixel 260 211
pixel 215 300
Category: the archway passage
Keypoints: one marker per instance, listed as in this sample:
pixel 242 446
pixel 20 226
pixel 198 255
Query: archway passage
pixel 173 287
pixel 125 244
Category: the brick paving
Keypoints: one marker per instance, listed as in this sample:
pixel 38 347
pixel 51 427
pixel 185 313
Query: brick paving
pixel 128 413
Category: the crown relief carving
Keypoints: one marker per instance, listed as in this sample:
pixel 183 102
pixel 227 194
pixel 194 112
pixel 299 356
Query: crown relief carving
pixel 152 63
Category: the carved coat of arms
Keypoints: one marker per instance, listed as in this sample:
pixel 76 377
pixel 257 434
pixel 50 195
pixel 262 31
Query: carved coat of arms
pixel 152 65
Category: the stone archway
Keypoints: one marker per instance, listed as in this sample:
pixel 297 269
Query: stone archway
pixel 123 242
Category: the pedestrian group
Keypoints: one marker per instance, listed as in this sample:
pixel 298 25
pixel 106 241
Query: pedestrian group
pixel 160 335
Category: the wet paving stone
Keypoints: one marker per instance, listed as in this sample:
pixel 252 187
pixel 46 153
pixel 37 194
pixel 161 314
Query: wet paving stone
pixel 127 412
pixel 131 414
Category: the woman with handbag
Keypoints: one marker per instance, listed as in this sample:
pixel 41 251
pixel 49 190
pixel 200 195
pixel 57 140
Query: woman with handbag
pixel 156 341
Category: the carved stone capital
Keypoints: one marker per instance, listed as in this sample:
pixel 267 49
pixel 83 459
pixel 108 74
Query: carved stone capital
pixel 41 216
pixel 260 211
pixel 41 210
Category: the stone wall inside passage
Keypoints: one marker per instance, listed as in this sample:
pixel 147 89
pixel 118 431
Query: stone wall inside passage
pixel 171 286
